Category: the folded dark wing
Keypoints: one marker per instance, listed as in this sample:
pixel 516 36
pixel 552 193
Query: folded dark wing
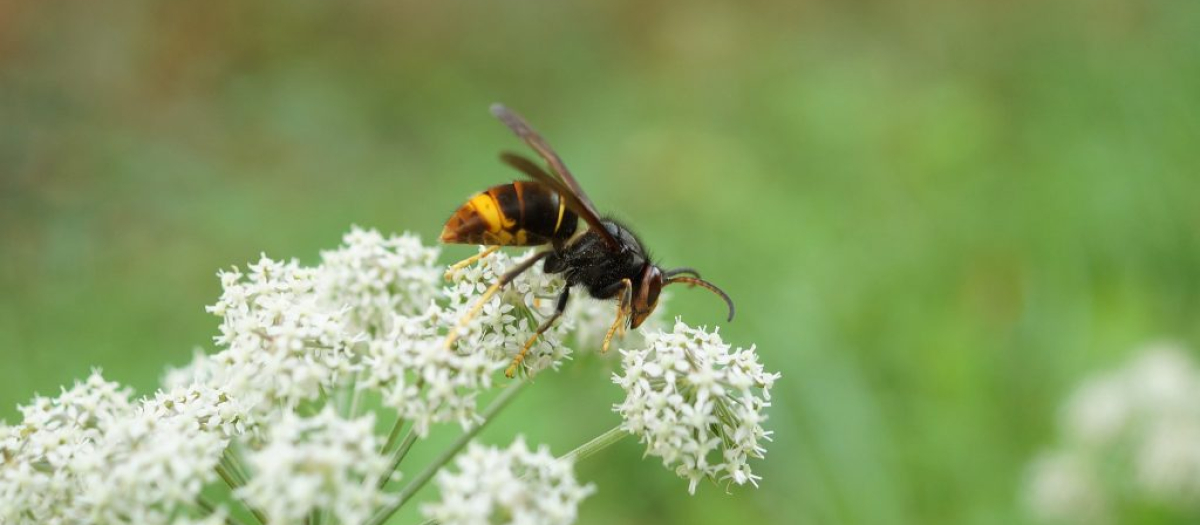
pixel 536 173
pixel 567 185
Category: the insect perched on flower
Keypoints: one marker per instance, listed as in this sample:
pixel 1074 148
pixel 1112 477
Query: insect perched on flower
pixel 607 258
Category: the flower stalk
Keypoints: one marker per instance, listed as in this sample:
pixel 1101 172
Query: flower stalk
pixel 421 479
pixel 229 480
pixel 597 444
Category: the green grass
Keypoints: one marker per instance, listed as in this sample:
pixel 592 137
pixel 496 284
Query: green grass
pixel 935 217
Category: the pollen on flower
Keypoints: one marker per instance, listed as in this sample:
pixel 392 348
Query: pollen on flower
pixel 696 404
pixel 513 485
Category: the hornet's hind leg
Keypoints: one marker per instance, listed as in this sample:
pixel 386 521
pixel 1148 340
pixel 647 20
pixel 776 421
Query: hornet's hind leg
pixel 508 276
pixel 469 261
pixel 558 311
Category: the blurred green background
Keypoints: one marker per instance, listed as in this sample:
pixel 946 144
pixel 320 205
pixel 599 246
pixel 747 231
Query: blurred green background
pixel 935 216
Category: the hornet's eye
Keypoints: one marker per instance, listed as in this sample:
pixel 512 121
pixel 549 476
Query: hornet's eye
pixel 652 294
pixel 648 289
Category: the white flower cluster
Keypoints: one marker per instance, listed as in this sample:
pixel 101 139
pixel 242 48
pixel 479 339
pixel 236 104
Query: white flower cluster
pixel 92 455
pixel 377 306
pixel 371 321
pixel 378 278
pixel 146 467
pixel 513 485
pixel 283 345
pixel 507 322
pixel 696 404
pixel 422 380
pixel 1129 435
pixel 318 463
pixel 203 408
pixel 427 384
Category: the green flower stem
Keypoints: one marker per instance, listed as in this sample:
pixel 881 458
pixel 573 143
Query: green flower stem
pixel 597 444
pixel 231 464
pixel 415 485
pixel 227 477
pixel 233 486
pixel 209 508
pixel 398 456
pixel 340 398
pixel 393 435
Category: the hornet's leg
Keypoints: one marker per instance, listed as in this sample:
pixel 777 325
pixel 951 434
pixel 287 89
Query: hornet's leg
pixel 508 276
pixel 624 298
pixel 558 311
pixel 469 261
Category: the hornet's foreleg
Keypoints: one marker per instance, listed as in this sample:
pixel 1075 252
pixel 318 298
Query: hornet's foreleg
pixel 624 303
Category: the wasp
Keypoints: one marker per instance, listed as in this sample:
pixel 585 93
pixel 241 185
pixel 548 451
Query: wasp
pixel 607 258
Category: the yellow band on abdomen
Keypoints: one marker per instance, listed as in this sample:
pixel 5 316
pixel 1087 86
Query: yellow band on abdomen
pixel 485 206
pixel 562 207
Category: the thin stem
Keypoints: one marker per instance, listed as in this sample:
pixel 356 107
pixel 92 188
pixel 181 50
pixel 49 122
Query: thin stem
pixel 225 475
pixel 409 439
pixel 597 444
pixel 393 435
pixel 341 397
pixel 233 486
pixel 210 508
pixel 205 505
pixel 356 395
pixel 415 485
pixel 398 456
pixel 231 464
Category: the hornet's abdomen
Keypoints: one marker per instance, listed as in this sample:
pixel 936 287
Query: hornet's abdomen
pixel 519 214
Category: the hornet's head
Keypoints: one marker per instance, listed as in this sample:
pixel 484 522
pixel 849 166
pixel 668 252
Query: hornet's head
pixel 651 283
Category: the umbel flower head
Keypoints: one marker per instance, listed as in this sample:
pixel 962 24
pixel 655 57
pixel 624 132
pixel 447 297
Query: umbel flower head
pixel 92 455
pixel 1128 435
pixel 271 424
pixel 505 324
pixel 696 404
pixel 283 344
pixel 323 462
pixel 375 278
pixel 513 485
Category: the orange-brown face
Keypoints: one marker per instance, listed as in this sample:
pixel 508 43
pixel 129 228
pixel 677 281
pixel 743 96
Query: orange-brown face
pixel 645 298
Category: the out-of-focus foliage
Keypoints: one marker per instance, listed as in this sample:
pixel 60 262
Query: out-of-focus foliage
pixel 936 217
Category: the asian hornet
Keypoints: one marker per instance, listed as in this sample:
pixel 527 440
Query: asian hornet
pixel 606 258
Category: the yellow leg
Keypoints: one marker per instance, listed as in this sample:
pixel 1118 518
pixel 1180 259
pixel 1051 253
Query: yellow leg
pixel 512 368
pixel 622 308
pixel 469 261
pixel 462 322
pixel 508 276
